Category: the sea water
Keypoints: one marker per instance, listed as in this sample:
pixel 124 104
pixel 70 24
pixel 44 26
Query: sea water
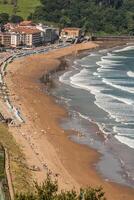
pixel 99 88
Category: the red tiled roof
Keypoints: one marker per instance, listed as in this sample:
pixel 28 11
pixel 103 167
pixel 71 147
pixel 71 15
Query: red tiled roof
pixel 9 25
pixel 26 30
pixel 26 23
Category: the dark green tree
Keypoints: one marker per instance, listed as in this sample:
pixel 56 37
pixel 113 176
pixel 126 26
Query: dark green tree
pixel 16 19
pixel 4 18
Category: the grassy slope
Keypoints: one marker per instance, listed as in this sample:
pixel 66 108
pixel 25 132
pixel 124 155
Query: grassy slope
pixel 20 174
pixel 24 7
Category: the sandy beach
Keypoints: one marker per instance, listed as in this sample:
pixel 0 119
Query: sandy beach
pixel 45 145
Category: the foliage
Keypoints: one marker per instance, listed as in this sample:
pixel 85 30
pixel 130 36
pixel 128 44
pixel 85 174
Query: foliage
pixel 110 16
pixel 20 173
pixel 4 18
pixel 18 7
pixel 16 19
pixel 49 191
pixel 2 164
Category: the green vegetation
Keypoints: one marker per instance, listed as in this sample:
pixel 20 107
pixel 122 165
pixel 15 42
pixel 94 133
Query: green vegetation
pixel 2 164
pixel 4 18
pixel 20 173
pixel 49 191
pixel 21 7
pixel 4 192
pixel 15 19
pixel 101 16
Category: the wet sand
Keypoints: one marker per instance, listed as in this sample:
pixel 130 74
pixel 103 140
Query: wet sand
pixel 44 143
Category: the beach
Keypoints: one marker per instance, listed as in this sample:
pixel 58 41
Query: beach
pixel 45 144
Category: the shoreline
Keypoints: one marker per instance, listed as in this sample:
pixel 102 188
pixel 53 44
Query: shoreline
pixel 98 135
pixel 54 133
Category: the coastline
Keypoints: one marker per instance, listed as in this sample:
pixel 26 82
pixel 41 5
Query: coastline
pixel 65 157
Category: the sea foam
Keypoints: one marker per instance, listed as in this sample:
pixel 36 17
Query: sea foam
pixel 130 74
pixel 105 75
pixel 125 140
pixel 124 88
pixel 124 49
pixel 64 78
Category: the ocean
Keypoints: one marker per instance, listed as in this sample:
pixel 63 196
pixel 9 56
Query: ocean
pixel 99 89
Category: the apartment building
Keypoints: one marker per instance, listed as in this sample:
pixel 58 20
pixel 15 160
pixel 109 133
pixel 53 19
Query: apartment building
pixel 27 33
pixel 5 39
pixel 15 39
pixel 26 36
pixel 49 34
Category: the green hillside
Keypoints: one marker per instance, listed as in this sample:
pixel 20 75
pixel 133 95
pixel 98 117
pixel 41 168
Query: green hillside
pixel 94 16
pixel 24 7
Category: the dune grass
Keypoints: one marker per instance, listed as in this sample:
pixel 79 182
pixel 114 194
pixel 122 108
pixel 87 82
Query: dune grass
pixel 20 173
pixel 25 7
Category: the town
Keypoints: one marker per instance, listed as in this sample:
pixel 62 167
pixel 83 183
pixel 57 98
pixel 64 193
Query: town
pixel 66 99
pixel 27 34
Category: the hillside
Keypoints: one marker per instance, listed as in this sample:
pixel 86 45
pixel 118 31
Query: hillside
pixel 103 16
pixel 24 7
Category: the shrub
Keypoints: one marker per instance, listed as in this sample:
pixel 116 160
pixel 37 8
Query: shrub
pixel 49 191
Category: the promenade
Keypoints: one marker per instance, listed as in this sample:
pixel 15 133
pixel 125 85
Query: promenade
pixel 7 110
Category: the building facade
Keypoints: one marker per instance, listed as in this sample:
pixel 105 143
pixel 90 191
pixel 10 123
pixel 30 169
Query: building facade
pixel 70 33
pixel 15 39
pixel 25 36
pixel 49 34
pixel 5 39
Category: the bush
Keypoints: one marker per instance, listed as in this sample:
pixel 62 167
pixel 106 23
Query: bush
pixel 49 191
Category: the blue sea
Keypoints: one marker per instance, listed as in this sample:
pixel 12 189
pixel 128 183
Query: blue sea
pixel 99 89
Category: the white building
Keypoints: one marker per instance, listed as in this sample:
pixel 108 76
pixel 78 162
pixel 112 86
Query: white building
pixel 49 34
pixel 28 36
pixel 15 39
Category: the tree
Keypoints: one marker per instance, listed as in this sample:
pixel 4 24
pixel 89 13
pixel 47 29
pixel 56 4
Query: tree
pixel 113 3
pixel 49 191
pixel 5 1
pixel 65 20
pixel 4 18
pixel 16 19
pixel 107 16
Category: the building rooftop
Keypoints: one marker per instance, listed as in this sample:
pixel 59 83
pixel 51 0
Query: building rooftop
pixel 26 23
pixel 26 30
pixel 9 26
pixel 71 29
